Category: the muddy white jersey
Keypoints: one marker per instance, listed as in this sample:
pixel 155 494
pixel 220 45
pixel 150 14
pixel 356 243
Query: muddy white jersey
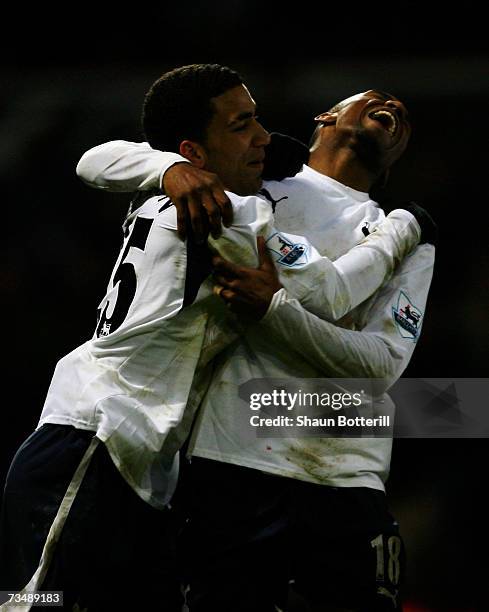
pixel 158 326
pixel 291 342
pixel 375 340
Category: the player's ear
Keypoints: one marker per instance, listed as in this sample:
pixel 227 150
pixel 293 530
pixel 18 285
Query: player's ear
pixel 194 152
pixel 327 118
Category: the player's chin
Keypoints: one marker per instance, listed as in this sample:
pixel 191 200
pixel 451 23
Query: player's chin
pixel 397 142
pixel 395 151
pixel 250 183
pixel 257 185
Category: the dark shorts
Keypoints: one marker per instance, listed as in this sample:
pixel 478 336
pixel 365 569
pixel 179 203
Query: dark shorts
pixel 115 550
pixel 250 533
pixel 235 553
pixel 346 546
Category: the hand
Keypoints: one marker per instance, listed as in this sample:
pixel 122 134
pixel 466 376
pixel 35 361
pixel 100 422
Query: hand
pixel 429 230
pixel 247 290
pixel 284 156
pixel 198 195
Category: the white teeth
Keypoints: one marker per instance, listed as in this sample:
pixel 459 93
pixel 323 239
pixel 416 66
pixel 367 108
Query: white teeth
pixel 393 120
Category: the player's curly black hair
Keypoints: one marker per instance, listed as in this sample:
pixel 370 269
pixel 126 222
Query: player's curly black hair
pixel 178 105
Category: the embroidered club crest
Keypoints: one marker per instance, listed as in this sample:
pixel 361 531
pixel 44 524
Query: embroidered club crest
pixel 289 252
pixel 407 317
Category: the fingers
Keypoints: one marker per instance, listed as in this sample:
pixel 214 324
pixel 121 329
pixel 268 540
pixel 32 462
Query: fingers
pixel 206 214
pixel 266 262
pixel 227 295
pixel 219 199
pixel 211 210
pixel 224 283
pixel 242 304
pixel 181 207
pixel 262 249
pixel 233 300
pixel 213 214
pixel 225 206
pixel 200 199
pixel 198 219
pixel 226 268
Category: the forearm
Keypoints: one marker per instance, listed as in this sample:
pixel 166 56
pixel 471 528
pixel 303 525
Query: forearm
pixel 125 166
pixel 334 351
pixel 387 338
pixel 332 289
pixel 369 265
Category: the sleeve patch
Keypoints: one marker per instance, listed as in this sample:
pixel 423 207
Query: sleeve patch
pixel 289 253
pixel 407 317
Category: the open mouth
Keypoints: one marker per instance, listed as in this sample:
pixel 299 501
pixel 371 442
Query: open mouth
pixel 387 119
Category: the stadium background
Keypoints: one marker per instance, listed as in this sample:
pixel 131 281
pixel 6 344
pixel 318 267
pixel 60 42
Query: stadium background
pixel 69 83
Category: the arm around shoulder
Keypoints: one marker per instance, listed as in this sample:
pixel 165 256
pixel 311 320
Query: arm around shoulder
pixel 123 166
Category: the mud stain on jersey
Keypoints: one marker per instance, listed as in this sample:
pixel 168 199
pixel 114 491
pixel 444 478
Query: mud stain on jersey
pixel 241 252
pixel 388 326
pixel 180 263
pixel 319 458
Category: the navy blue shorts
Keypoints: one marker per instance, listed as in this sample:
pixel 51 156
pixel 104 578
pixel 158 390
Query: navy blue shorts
pixel 346 547
pixel 115 550
pixel 252 533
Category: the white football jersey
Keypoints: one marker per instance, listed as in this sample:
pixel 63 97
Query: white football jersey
pixel 292 341
pixel 157 327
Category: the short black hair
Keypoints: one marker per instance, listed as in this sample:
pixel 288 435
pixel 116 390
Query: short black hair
pixel 178 105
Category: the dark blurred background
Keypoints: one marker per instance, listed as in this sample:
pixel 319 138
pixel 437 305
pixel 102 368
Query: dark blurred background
pixel 72 81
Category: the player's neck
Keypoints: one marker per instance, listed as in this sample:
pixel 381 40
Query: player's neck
pixel 343 166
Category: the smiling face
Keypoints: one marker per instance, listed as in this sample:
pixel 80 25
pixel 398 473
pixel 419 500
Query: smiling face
pixel 235 142
pixel 374 123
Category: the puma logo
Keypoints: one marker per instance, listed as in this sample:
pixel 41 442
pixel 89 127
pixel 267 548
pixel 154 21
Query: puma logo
pixel 268 196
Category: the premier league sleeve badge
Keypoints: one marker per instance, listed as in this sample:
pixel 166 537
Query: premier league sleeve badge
pixel 407 317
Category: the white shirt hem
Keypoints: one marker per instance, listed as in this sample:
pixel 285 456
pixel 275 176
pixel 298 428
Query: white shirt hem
pixel 372 482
